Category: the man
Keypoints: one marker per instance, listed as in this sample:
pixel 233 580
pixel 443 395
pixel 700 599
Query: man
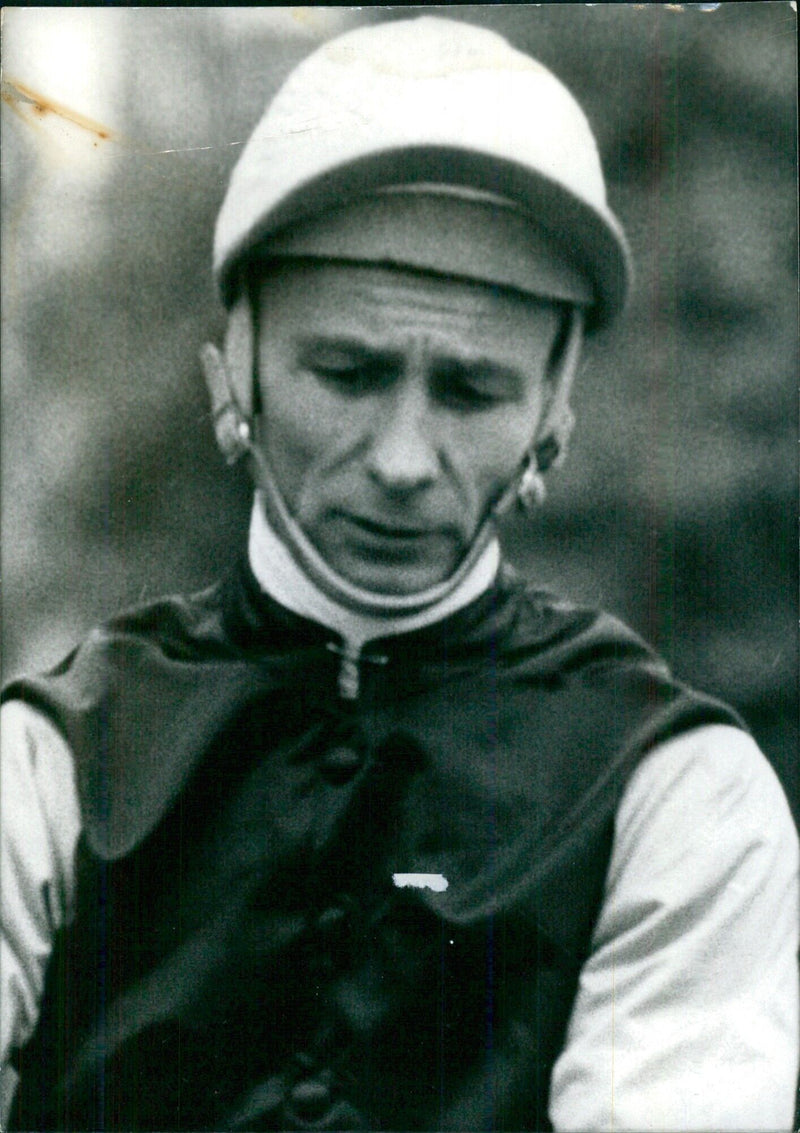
pixel 371 835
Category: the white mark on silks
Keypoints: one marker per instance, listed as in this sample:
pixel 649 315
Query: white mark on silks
pixel 434 881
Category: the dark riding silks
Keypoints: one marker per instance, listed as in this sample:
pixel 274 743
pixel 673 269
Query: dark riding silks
pixel 241 956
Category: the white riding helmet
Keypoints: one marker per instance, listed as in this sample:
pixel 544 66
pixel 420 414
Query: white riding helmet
pixel 393 120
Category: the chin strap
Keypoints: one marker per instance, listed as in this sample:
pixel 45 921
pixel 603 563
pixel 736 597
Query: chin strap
pixel 555 430
pixel 334 585
pixel 527 490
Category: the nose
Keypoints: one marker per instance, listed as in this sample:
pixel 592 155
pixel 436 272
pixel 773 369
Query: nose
pixel 402 458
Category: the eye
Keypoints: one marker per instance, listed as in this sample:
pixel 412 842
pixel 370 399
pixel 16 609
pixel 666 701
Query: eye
pixel 470 389
pixel 352 380
pixel 351 370
pixel 462 395
pixel 713 312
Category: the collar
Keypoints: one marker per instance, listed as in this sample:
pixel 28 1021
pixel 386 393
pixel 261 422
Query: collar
pixel 280 576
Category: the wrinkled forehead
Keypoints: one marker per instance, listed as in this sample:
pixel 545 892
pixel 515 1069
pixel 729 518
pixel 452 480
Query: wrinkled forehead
pixel 388 310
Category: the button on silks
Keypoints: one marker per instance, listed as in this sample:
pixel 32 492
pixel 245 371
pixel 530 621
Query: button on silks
pixel 309 1098
pixel 331 920
pixel 333 939
pixel 341 762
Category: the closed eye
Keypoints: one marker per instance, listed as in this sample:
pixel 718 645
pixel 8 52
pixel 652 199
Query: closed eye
pixel 475 387
pixel 463 396
pixel 349 366
pixel 354 380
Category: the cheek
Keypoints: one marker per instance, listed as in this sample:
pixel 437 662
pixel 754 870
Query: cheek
pixel 287 433
pixel 302 426
pixel 492 453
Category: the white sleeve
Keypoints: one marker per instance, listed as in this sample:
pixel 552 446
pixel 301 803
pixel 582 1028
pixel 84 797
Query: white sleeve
pixel 687 1010
pixel 39 827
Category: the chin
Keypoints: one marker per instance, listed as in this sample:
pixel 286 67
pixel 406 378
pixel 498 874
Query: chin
pixel 397 571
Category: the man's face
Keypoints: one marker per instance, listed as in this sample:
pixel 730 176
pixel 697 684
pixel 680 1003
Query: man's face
pixel 396 409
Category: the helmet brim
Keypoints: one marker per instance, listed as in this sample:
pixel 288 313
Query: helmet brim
pixel 591 238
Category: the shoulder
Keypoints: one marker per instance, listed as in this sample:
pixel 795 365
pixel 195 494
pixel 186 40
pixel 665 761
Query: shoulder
pixel 705 862
pixel 131 704
pixel 171 623
pixel 704 826
pixel 121 651
pixel 602 693
pixel 572 637
pixel 715 791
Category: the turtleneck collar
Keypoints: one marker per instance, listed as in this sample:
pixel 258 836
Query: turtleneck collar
pixel 279 575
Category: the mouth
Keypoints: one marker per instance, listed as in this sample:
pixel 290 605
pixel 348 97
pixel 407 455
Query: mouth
pixel 381 530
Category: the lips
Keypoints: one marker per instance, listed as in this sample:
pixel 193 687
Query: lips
pixel 384 530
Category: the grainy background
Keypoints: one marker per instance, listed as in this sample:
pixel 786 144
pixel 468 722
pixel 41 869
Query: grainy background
pixel 678 506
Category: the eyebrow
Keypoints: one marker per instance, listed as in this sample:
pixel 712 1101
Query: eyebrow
pixel 357 348
pixel 473 367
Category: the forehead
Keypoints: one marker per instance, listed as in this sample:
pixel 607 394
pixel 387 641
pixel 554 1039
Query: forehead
pixel 389 307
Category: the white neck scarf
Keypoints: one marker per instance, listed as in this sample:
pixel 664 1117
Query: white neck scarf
pixel 279 576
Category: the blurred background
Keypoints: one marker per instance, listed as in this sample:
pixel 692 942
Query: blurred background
pixel 677 508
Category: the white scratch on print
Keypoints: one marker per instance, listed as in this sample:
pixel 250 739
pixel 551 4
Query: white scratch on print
pixel 434 881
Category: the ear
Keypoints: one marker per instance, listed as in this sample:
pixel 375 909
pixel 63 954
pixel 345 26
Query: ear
pixel 552 436
pixel 229 378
